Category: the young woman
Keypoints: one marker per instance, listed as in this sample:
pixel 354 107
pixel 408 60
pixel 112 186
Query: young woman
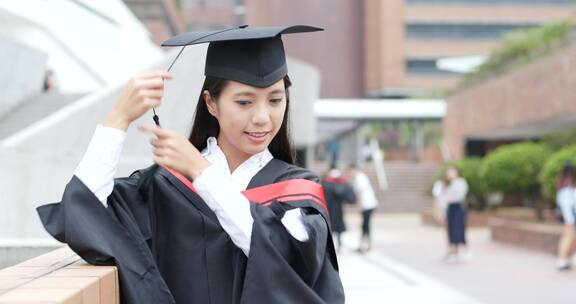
pixel 225 217
pixel 455 195
pixel 566 202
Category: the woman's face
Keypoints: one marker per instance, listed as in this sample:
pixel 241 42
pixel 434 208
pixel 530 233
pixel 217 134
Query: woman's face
pixel 249 117
pixel 451 174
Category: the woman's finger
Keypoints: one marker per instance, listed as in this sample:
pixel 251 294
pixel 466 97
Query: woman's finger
pixel 159 152
pixel 153 74
pixel 148 128
pixel 151 93
pixel 153 129
pixel 152 102
pixel 149 83
pixel 155 142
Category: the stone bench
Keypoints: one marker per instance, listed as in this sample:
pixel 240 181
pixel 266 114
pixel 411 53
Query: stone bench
pixel 59 276
pixel 541 237
pixel 474 220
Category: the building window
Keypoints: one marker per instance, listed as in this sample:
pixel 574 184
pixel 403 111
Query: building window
pixel 461 30
pixel 425 67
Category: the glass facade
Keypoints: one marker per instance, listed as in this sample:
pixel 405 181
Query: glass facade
pixel 461 30
pixel 420 67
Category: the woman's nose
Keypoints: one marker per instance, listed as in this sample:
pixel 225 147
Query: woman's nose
pixel 261 115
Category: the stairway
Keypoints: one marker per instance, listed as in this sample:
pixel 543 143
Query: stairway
pixel 408 184
pixel 32 111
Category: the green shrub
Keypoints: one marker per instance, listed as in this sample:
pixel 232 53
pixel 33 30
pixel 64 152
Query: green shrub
pixel 514 168
pixel 552 168
pixel 470 170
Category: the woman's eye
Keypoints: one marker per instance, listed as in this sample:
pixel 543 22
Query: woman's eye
pixel 243 102
pixel 276 100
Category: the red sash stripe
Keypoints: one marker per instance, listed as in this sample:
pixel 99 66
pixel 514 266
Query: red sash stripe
pixel 285 191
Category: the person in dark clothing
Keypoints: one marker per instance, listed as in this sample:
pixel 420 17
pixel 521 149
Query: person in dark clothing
pixel 223 216
pixel 337 191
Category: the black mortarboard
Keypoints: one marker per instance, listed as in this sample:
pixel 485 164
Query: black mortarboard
pixel 251 55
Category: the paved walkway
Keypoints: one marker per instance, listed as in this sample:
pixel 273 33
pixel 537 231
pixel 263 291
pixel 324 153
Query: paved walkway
pixel 374 278
pixel 405 267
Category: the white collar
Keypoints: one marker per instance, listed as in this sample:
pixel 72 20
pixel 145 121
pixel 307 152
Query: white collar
pixel 215 155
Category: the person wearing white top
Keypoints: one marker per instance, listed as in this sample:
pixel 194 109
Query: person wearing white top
pixel 368 203
pixel 454 195
pixel 566 202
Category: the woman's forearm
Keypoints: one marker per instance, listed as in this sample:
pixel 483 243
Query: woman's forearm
pixel 100 161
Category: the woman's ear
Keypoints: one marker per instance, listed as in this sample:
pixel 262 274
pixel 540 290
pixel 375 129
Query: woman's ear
pixel 210 103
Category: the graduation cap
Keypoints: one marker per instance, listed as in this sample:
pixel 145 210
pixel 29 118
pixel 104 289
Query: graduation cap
pixel 250 55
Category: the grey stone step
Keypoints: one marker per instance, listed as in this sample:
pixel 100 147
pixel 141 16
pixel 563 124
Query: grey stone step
pixel 12 255
pixel 32 111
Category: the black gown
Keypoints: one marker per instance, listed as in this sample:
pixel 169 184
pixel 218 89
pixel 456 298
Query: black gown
pixel 338 191
pixel 170 248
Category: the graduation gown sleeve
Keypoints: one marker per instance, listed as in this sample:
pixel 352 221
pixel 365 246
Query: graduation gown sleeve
pixel 281 269
pixel 116 235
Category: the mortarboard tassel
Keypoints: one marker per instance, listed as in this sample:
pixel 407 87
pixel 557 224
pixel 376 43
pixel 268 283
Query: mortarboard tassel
pixel 146 177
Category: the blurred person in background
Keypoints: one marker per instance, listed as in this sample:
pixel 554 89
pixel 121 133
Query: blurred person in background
pixel 566 202
pixel 49 82
pixel 454 195
pixel 367 199
pixel 337 192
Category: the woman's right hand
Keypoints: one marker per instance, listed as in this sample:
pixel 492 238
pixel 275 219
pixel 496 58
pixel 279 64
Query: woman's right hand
pixel 142 93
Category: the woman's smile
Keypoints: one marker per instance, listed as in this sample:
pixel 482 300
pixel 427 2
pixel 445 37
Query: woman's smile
pixel 258 137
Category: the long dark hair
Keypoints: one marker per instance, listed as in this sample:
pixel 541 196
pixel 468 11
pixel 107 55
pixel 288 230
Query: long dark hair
pixel 567 169
pixel 205 125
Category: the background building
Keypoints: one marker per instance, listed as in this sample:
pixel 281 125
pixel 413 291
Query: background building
pixel 376 48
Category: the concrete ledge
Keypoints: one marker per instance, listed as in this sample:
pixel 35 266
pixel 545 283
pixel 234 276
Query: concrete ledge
pixel 542 237
pixel 59 276
pixel 13 252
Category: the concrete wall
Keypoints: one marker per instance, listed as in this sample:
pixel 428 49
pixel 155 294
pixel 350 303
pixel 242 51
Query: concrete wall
pixel 22 73
pixel 303 94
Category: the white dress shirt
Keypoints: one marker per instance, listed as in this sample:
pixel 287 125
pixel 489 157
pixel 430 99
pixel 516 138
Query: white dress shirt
pixel 364 190
pixel 456 191
pixel 220 189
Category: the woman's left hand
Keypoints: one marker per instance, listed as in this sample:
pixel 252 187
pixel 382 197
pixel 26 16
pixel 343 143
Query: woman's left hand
pixel 175 151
